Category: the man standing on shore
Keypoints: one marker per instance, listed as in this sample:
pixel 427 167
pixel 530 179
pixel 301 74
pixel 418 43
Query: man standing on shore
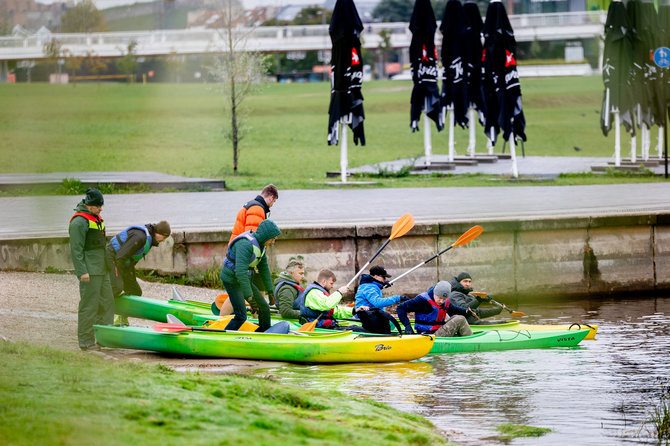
pixel 87 246
pixel 255 211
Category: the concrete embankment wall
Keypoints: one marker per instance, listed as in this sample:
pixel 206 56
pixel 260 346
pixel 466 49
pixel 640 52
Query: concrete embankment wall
pixel 546 257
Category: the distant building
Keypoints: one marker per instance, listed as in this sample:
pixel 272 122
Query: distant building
pixel 31 15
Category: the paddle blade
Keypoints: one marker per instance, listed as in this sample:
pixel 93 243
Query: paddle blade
pixel 167 327
pixel 309 326
pixel 517 314
pixel 402 226
pixel 468 235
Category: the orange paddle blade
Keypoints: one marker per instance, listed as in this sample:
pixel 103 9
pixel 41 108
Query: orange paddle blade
pixel 517 314
pixel 169 327
pixel 468 235
pixel 400 227
pixel 309 326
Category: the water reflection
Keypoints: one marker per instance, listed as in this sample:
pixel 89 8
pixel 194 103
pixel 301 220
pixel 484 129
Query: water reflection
pixel 598 393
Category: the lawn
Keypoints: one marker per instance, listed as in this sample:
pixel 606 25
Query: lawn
pixel 179 129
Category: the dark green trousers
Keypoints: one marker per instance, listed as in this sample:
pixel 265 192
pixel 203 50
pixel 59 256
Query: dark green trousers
pixel 96 306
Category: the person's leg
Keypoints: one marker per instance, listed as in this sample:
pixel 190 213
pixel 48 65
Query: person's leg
pixel 263 309
pixel 86 315
pixel 454 326
pixel 106 302
pixel 236 297
pixel 127 276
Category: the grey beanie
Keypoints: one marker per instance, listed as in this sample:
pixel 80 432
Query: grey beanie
pixel 93 197
pixel 442 289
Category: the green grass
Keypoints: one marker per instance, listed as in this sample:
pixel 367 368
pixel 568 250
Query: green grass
pixel 53 397
pixel 509 431
pixel 178 129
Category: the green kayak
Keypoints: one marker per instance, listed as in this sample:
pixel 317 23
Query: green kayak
pixel 341 347
pixel 482 341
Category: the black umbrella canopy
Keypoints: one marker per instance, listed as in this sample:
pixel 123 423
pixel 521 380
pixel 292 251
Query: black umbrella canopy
pixel 473 58
pixel 616 67
pixel 454 90
pixel 642 21
pixel 346 99
pixel 423 57
pixel 502 89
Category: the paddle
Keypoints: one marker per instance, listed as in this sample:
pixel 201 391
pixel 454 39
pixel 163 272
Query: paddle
pixel 467 236
pixel 400 228
pixel 309 326
pixel 511 312
pixel 167 327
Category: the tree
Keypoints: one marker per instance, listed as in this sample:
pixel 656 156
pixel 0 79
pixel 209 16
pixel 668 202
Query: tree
pixel 128 64
pixel 393 10
pixel 313 15
pixel 53 49
pixel 95 64
pixel 239 73
pixel 384 48
pixel 73 63
pixel 84 17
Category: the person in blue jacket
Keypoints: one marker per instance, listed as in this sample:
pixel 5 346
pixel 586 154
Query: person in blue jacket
pixel 369 292
pixel 430 313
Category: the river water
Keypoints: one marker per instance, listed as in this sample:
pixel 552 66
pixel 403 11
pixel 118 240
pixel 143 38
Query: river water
pixel 599 393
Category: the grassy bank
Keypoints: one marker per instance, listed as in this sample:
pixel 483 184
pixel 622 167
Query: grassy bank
pixel 52 397
pixel 179 128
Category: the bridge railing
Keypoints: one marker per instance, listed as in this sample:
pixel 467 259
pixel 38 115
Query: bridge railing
pixel 279 38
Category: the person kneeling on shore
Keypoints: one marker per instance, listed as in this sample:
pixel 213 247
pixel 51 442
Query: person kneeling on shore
pixel 430 313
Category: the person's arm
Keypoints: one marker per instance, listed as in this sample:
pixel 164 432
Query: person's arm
pixel 453 309
pixel 411 306
pixel 317 300
pixel 77 229
pixel 374 296
pixel 136 240
pixel 284 299
pixel 266 277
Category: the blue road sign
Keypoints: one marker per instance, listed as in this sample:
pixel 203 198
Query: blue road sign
pixel 662 57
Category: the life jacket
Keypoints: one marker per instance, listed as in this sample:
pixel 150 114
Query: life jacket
pixel 121 238
pixel 293 284
pixel 95 236
pixel 425 322
pixel 256 255
pixel 309 314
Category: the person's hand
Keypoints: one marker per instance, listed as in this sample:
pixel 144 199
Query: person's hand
pixel 85 278
pixel 363 308
pixel 408 329
pixel 344 290
pixel 404 298
pixel 271 299
pixel 387 284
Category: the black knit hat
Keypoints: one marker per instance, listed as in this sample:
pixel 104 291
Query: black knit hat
pixel 462 276
pixel 93 197
pixel 163 228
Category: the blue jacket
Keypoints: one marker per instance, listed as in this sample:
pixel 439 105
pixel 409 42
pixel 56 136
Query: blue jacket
pixel 419 305
pixel 370 294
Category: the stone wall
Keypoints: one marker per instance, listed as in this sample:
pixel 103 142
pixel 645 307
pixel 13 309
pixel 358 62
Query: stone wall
pixel 546 257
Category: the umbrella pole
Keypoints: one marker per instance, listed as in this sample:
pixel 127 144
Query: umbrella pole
pixel 633 148
pixel 427 145
pixel 451 134
pixel 489 143
pixel 617 140
pixel 646 142
pixel 343 151
pixel 512 151
pixel 659 146
pixel 471 125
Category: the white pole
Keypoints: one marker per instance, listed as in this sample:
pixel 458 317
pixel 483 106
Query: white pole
pixel 489 143
pixel 659 146
pixel 343 152
pixel 427 145
pixel 451 134
pixel 646 142
pixel 617 139
pixel 512 151
pixel 472 125
pixel 633 148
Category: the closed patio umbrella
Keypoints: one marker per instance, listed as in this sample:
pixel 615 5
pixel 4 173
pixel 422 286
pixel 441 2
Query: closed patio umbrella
pixel 473 69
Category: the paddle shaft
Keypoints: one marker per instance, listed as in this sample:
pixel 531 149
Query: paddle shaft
pixel 421 264
pixel 368 262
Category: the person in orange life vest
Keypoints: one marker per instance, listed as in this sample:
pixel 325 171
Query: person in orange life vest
pixel 127 248
pixel 430 313
pixel 288 285
pixel 244 256
pixel 317 301
pixel 255 211
pixel 87 246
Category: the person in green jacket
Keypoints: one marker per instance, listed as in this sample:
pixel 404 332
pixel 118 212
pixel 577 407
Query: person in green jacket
pixel 288 285
pixel 246 258
pixel 87 246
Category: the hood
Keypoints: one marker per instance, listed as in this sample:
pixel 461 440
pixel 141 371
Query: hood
pixel 284 276
pixel 266 231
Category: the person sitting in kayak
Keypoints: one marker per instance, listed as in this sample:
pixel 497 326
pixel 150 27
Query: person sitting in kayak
pixel 430 313
pixel 369 292
pixel 288 285
pixel 461 286
pixel 317 301
pixel 246 254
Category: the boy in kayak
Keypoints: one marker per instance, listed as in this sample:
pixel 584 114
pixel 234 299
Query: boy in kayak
pixel 461 286
pixel 87 246
pixel 245 255
pixel 317 301
pixel 369 292
pixel 127 248
pixel 430 313
pixel 288 285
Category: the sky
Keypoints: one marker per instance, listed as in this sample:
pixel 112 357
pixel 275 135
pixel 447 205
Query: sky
pixel 104 4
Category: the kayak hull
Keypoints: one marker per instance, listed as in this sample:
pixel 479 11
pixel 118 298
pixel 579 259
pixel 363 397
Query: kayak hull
pixel 343 347
pixel 492 340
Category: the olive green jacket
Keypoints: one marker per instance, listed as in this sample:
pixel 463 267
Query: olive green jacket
pixel 90 261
